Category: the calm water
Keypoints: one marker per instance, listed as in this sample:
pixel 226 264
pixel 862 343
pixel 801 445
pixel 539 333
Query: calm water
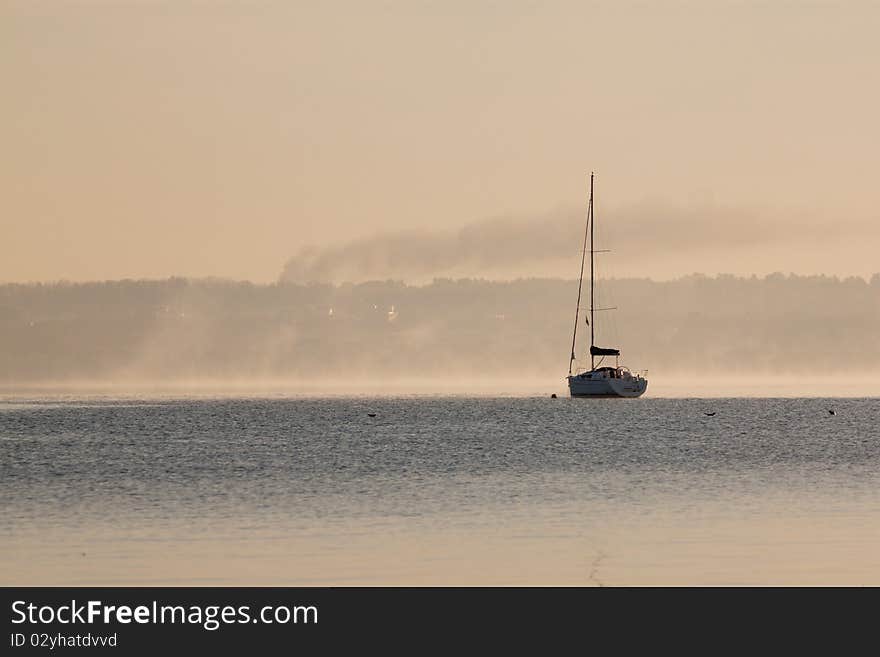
pixel 439 491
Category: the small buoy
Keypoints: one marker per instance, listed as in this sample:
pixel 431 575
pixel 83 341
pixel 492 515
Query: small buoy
pixel 553 396
pixel 371 415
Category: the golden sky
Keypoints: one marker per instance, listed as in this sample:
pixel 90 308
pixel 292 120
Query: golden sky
pixel 148 139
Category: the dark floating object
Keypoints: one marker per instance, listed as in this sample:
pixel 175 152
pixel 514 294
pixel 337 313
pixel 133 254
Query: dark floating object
pixel 710 414
pixel 371 415
pixel 831 411
pixel 553 396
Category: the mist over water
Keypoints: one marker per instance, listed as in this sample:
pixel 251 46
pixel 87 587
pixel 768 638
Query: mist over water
pixel 773 333
pixel 438 490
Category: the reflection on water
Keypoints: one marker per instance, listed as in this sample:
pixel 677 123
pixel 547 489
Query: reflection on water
pixel 439 491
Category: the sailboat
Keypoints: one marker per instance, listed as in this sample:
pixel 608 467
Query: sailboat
pixel 600 380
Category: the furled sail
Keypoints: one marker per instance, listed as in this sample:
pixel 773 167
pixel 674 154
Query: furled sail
pixel 599 351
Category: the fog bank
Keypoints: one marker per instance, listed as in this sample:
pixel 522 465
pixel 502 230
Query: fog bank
pixel 182 333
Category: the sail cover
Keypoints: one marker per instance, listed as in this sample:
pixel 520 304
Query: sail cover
pixel 599 351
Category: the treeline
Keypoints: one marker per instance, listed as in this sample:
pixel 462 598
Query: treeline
pixel 180 329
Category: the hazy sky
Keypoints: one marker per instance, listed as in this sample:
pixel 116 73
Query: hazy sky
pixel 145 139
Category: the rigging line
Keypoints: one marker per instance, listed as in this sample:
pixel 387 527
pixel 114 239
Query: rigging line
pixel 577 308
pixel 592 276
pixel 607 275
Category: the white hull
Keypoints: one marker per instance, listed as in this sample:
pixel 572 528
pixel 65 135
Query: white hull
pixel 584 385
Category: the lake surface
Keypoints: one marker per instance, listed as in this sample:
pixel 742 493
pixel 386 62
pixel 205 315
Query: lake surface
pixel 438 490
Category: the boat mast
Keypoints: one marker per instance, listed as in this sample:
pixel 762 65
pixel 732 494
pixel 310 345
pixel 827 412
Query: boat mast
pixel 577 308
pixel 592 322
